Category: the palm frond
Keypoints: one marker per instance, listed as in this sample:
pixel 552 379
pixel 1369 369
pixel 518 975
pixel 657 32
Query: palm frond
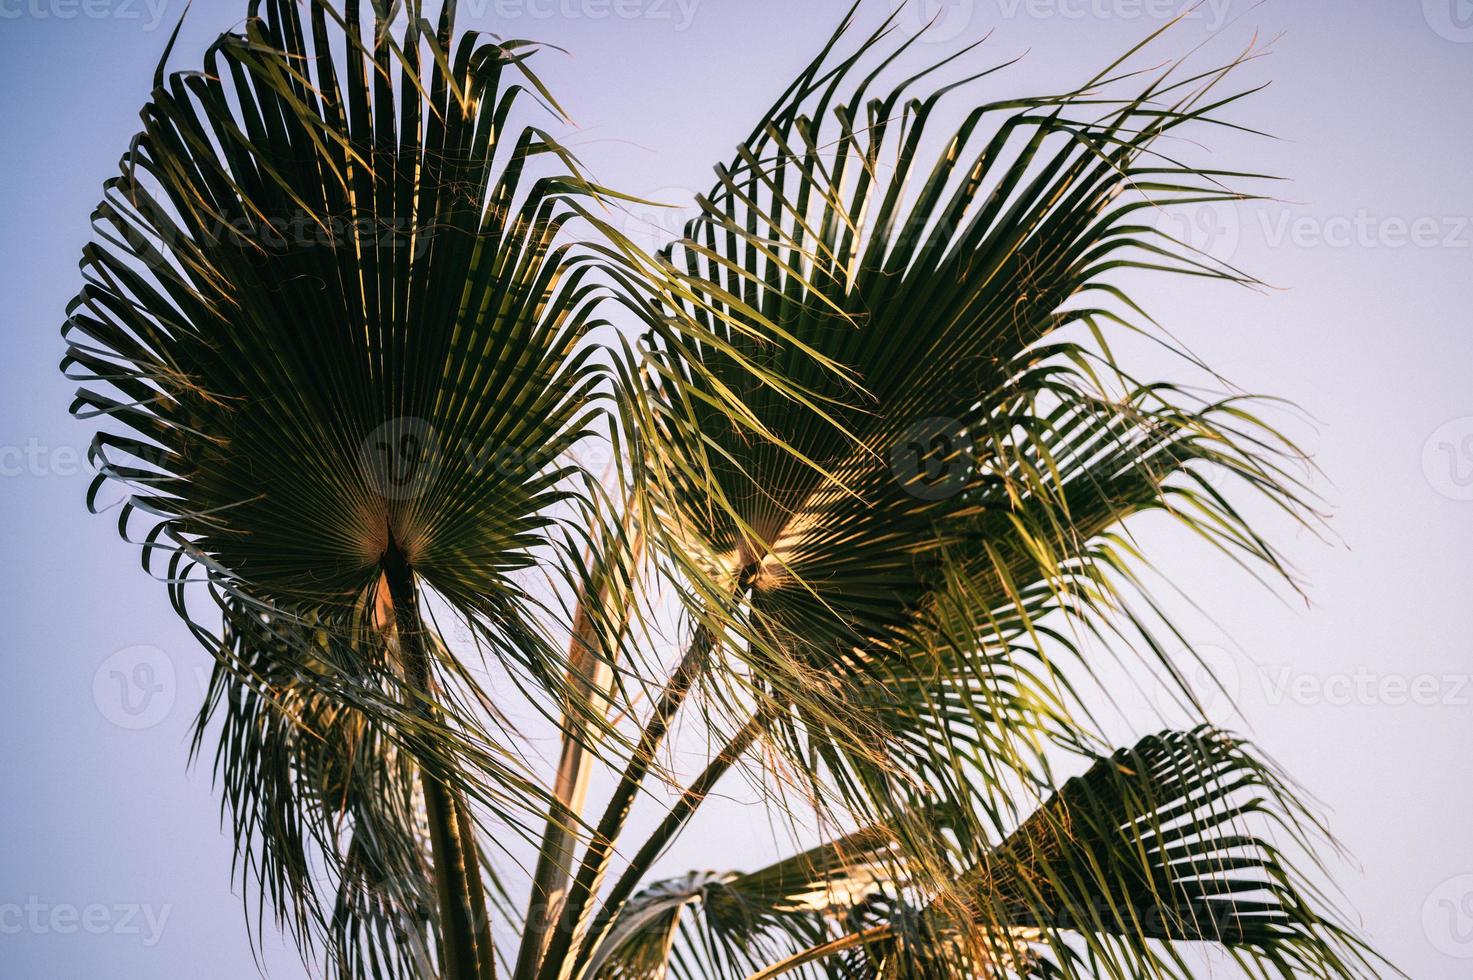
pixel 334 322
pixel 1154 845
pixel 345 326
pixel 907 524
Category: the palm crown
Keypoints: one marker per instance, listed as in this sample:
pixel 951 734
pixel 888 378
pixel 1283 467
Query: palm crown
pixel 351 327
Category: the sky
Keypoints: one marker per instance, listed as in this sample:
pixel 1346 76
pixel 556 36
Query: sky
pixel 112 860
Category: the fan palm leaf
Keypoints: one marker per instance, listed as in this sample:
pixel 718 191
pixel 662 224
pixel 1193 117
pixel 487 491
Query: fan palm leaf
pixel 343 343
pixel 902 561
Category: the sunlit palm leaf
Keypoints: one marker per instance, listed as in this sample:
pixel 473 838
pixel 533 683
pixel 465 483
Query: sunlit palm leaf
pixel 340 330
pixel 896 538
pixel 1155 844
pixel 348 344
pixel 916 544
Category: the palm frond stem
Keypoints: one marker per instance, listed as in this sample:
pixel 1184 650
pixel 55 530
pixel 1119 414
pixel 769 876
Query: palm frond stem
pixel 558 964
pixel 674 822
pixel 465 934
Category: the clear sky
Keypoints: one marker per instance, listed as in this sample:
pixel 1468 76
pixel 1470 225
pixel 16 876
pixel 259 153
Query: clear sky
pixel 111 860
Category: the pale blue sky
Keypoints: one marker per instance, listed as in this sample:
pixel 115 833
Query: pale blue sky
pixel 1363 694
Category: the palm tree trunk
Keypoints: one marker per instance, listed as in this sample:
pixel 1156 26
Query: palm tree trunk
pixel 569 929
pixel 465 935
pixel 590 676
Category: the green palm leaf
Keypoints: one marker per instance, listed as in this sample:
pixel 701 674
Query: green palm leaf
pixel 911 624
pixel 901 538
pixel 343 342
pixel 1155 844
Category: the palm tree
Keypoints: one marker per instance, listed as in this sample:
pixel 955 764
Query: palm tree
pixel 352 331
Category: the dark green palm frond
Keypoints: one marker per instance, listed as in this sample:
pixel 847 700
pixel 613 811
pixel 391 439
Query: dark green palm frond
pixel 298 763
pixel 342 340
pixel 1154 845
pixel 911 554
pixel 1162 843
pixel 318 759
pixel 968 694
pixel 336 313
pixel 903 535
pixel 347 344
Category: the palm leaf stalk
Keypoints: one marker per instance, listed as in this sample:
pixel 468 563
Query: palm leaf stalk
pixel 590 677
pixel 465 924
pixel 348 322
